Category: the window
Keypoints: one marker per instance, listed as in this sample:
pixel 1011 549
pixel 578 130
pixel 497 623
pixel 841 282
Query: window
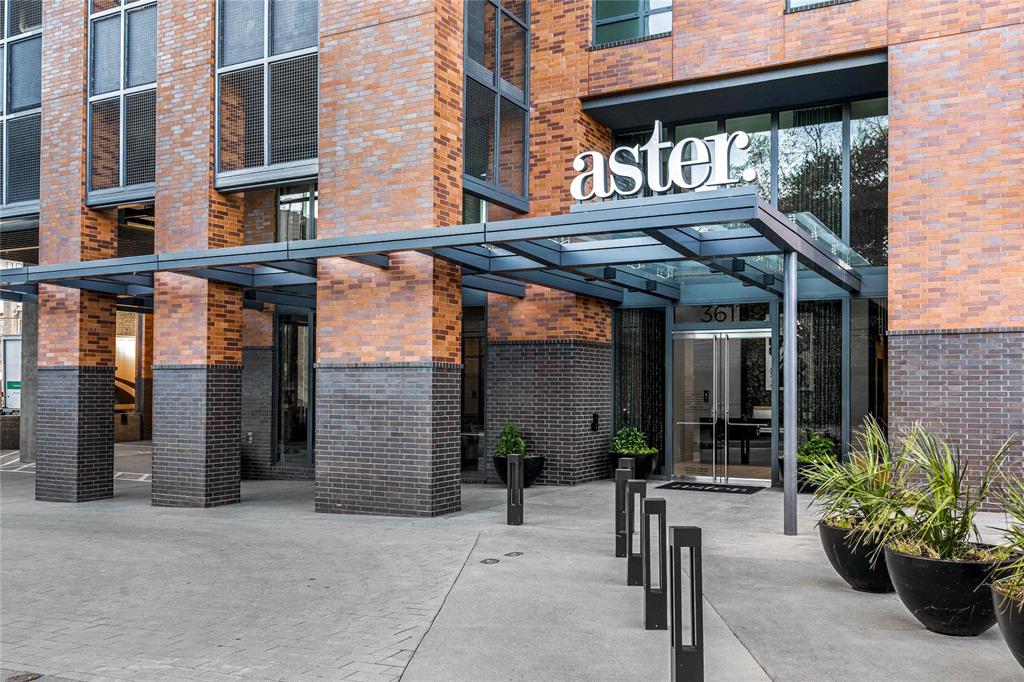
pixel 20 95
pixel 616 21
pixel 267 83
pixel 296 212
pixel 496 133
pixel 122 94
pixel 830 161
pixel 798 5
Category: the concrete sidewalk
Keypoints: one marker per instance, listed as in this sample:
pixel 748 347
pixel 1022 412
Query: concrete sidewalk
pixel 268 590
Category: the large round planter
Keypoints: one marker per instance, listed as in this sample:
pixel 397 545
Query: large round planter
pixel 644 463
pixel 1010 614
pixel 531 468
pixel 852 560
pixel 948 597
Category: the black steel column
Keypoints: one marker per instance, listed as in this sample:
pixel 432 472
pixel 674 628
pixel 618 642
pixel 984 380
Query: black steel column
pixel 687 651
pixel 515 490
pixel 655 603
pixel 636 491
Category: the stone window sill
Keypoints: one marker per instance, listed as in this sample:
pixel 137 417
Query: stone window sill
pixel 641 39
pixel 817 5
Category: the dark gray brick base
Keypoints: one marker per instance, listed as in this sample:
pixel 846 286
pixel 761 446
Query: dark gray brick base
pixel 196 435
pixel 967 386
pixel 387 438
pixel 75 434
pixel 550 390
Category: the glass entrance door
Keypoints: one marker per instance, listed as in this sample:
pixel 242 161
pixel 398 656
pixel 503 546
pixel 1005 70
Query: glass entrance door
pixel 294 388
pixel 722 405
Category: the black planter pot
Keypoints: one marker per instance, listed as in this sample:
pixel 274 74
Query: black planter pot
pixel 532 467
pixel 644 463
pixel 1010 614
pixel 852 561
pixel 948 597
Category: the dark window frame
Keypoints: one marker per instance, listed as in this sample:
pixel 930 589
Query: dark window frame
pixel 642 14
pixel 266 172
pixel 121 93
pixel 491 190
pixel 9 38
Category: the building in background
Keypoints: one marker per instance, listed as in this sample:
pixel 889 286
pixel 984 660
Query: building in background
pixel 143 134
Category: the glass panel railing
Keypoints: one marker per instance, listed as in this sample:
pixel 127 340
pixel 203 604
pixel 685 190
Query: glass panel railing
pixel 843 252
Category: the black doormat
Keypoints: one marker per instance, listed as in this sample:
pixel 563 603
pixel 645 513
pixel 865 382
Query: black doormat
pixel 712 487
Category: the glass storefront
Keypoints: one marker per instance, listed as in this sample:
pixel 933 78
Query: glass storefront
pixel 293 374
pixel 474 360
pixel 640 373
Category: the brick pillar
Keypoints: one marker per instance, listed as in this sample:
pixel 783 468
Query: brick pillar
pixel 258 351
pixel 388 357
pixel 75 439
pixel 549 356
pixel 956 324
pixel 197 354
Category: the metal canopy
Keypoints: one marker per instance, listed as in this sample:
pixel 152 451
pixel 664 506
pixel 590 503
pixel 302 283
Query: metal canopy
pixel 597 249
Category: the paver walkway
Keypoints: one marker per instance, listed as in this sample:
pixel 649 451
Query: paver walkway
pixel 267 590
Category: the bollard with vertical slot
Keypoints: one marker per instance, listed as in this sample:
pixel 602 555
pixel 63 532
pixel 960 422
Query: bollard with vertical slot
pixel 687 644
pixel 622 476
pixel 515 490
pixel 628 463
pixel 655 592
pixel 636 491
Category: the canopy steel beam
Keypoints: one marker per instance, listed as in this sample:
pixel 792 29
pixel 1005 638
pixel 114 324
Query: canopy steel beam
pixel 494 285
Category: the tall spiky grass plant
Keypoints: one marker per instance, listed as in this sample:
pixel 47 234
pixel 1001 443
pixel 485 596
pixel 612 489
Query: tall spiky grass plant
pixel 857 494
pixel 1011 581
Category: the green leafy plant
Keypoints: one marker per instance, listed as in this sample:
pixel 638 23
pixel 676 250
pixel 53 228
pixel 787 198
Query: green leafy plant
pixel 1011 579
pixel 510 442
pixel 816 448
pixel 629 440
pixel 856 494
pixel 933 514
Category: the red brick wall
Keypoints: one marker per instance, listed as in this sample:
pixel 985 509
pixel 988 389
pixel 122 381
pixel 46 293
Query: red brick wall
pixel 75 327
pixel 260 228
pixel 197 322
pixel 956 151
pixel 390 159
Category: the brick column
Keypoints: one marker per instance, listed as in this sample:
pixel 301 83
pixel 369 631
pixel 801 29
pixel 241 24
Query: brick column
pixel 956 279
pixel 197 358
pixel 388 358
pixel 75 438
pixel 549 356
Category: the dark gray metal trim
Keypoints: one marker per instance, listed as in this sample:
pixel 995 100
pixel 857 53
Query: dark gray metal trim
pixel 115 196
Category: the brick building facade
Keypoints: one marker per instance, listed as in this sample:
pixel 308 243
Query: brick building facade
pixel 436 113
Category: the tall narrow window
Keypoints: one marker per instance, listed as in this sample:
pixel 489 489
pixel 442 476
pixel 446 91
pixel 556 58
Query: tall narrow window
pixel 267 84
pixel 811 163
pixel 20 97
pixel 869 180
pixel 122 94
pixel 496 121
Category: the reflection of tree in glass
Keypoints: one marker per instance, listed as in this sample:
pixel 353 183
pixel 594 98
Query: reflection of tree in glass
pixel 810 171
pixel 869 188
pixel 758 157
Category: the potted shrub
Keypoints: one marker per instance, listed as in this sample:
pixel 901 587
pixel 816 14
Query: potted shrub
pixel 1008 589
pixel 940 571
pixel 852 496
pixel 815 449
pixel 511 443
pixel 629 441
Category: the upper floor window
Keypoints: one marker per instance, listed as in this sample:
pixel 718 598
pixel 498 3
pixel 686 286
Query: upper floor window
pixel 267 83
pixel 21 42
pixel 296 212
pixel 830 161
pixel 495 149
pixel 122 94
pixel 617 21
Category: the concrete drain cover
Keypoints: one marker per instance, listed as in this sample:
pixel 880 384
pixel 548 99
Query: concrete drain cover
pixel 513 554
pixel 489 561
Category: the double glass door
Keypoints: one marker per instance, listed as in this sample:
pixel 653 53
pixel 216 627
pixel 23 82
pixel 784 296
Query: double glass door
pixel 722 405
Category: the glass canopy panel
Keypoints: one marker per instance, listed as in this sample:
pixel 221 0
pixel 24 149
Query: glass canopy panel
pixel 844 253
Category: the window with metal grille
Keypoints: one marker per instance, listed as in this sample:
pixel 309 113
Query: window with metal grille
pixel 20 96
pixel 496 106
pixel 267 85
pixel 122 93
pixel 241 119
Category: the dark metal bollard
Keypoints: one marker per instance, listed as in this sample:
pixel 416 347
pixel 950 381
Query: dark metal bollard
pixel 628 463
pixel 515 490
pixel 622 476
pixel 655 602
pixel 634 560
pixel 687 652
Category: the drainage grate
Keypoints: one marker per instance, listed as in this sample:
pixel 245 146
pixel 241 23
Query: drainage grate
pixel 513 554
pixel 489 561
pixel 24 677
